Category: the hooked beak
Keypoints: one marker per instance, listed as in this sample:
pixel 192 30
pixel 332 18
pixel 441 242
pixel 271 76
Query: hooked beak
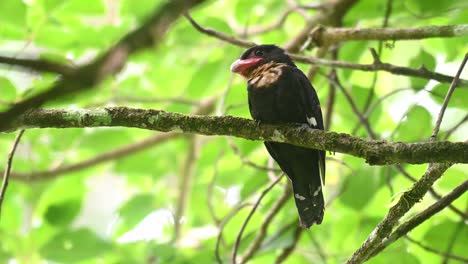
pixel 242 66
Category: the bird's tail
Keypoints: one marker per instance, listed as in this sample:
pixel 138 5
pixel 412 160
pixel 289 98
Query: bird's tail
pixel 309 201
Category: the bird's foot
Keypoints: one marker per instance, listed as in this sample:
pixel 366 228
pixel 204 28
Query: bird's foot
pixel 304 127
pixel 257 123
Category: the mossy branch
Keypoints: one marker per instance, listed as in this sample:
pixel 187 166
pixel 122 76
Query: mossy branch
pixel 375 152
pixel 329 35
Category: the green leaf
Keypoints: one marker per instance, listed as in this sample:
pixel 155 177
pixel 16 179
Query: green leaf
pixel 7 90
pixel 423 59
pixel 11 32
pixel 12 211
pixel 105 139
pixel 416 125
pixel 363 10
pixel 63 192
pixel 141 10
pixel 423 7
pixel 458 99
pixel 63 213
pixel 389 255
pixel 360 187
pixel 441 233
pixel 12 12
pixel 352 52
pixel 74 246
pixel 136 209
pixel 79 7
pixel 256 182
pixel 205 77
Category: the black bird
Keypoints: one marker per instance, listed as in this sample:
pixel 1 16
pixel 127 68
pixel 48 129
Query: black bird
pixel 279 92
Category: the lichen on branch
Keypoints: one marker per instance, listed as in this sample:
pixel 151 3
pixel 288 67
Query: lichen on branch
pixel 375 152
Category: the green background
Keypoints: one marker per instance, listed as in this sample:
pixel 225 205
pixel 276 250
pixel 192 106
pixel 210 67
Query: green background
pixel 96 214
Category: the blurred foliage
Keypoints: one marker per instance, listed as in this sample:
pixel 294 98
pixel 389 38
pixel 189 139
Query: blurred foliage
pixel 122 211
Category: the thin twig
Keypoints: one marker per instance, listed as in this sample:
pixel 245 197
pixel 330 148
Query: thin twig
pixel 281 231
pixel 6 174
pixel 245 160
pixel 256 30
pixel 453 85
pixel 223 225
pixel 455 127
pixel 370 95
pixel 372 107
pixel 219 35
pixel 288 250
pixel 244 224
pixel 331 98
pixel 261 233
pixel 456 233
pixel 210 188
pixel 379 66
pixel 40 65
pixel 399 168
pixel 332 9
pixel 436 251
pixel 98 159
pixel 404 228
pixel 364 121
pixel 330 101
pixel 185 184
pixel 318 248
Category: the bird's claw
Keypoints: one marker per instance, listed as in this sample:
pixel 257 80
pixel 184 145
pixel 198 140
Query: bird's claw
pixel 304 127
pixel 257 123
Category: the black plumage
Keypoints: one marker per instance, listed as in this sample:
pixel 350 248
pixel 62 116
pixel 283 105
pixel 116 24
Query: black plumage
pixel 279 92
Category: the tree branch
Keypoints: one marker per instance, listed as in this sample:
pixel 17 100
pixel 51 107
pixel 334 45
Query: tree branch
pixel 104 157
pixel 249 216
pixel 219 35
pixel 436 251
pixel 185 185
pixel 262 232
pixel 418 219
pixel 331 10
pixel 404 204
pixel 452 87
pixel 380 66
pixel 111 62
pixel 376 152
pixel 377 65
pixel 432 191
pixel 205 107
pixel 383 230
pixel 286 252
pixel 40 65
pixel 326 36
pixel 6 174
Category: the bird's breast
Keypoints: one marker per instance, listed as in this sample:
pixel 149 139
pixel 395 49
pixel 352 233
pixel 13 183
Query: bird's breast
pixel 266 75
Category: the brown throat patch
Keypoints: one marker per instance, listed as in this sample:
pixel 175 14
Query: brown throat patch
pixel 266 75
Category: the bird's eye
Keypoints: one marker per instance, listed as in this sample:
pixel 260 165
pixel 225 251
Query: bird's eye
pixel 258 53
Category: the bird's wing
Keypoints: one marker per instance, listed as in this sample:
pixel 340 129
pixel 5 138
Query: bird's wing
pixel 311 106
pixel 272 148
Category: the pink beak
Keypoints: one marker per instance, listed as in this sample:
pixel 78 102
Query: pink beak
pixel 241 66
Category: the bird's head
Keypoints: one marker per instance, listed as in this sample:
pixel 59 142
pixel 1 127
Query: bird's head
pixel 259 55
